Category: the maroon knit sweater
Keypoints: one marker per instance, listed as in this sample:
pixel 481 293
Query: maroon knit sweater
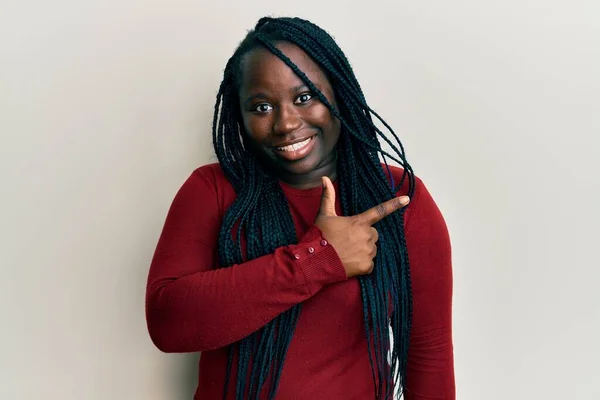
pixel 193 306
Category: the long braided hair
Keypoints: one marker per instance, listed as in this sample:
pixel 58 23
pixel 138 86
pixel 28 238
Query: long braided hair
pixel 261 214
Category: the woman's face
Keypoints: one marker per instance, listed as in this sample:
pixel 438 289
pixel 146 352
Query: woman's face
pixel 286 123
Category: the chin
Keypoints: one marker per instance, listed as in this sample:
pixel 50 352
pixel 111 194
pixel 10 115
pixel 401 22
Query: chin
pixel 301 167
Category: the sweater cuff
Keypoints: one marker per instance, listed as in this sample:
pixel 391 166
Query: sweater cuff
pixel 318 260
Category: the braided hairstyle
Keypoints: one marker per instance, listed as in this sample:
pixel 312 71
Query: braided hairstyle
pixel 261 214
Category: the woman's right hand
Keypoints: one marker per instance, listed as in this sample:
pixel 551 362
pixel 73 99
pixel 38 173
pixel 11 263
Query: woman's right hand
pixel 353 238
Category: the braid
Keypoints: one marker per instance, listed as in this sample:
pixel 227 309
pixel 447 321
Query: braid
pixel 261 213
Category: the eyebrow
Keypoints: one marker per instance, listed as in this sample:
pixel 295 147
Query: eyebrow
pixel 295 89
pixel 299 88
pixel 255 97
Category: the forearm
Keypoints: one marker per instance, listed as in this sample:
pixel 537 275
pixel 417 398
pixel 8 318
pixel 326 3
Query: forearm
pixel 211 309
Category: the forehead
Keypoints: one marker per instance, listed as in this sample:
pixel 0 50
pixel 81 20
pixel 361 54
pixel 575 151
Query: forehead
pixel 264 71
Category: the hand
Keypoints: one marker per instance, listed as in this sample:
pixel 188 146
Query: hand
pixel 353 238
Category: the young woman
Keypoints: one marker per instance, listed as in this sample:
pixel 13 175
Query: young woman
pixel 294 264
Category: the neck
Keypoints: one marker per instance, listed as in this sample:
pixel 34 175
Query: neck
pixel 312 179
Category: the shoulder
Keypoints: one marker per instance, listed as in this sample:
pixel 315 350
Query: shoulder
pixel 208 185
pixel 210 173
pixel 197 208
pixel 210 177
pixel 398 176
pixel 422 207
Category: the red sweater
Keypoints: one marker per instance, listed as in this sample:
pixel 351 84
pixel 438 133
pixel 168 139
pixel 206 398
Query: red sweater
pixel 191 305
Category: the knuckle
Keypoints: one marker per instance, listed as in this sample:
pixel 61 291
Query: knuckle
pixel 380 208
pixel 375 234
pixel 397 203
pixel 365 268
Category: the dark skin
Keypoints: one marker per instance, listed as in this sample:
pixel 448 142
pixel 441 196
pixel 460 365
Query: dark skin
pixel 278 110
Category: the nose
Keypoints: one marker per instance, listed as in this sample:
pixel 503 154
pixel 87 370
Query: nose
pixel 286 120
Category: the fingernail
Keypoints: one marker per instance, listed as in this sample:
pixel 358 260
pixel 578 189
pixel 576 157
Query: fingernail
pixel 404 200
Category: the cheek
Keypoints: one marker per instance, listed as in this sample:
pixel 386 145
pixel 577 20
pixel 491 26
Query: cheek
pixel 320 116
pixel 331 126
pixel 256 128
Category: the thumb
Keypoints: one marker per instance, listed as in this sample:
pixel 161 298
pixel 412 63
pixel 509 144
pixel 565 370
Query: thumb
pixel 327 198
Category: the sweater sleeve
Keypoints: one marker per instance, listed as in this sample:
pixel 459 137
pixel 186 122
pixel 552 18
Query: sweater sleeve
pixel 191 306
pixel 430 370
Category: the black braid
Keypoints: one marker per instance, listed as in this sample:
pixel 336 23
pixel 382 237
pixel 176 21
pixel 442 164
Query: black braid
pixel 261 214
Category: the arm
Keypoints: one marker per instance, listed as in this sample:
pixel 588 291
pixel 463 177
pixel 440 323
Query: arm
pixel 430 371
pixel 190 306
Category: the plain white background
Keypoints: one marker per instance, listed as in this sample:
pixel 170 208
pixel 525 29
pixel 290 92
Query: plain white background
pixel 106 109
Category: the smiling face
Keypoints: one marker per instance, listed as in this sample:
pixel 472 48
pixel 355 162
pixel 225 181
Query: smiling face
pixel 286 123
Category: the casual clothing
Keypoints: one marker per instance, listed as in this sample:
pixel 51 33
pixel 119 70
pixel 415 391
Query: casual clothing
pixel 193 306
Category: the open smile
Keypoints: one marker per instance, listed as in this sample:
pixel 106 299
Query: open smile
pixel 297 150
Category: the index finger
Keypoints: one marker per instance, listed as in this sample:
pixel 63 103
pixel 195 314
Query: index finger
pixel 380 211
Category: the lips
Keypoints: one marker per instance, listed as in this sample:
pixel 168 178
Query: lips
pixel 295 146
pixel 296 150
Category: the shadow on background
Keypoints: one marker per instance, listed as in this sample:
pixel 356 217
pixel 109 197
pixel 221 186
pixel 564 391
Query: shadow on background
pixel 185 376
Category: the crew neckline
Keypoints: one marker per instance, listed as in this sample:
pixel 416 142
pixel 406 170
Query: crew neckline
pixel 310 192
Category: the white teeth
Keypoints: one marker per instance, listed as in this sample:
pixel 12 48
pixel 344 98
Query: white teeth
pixel 295 146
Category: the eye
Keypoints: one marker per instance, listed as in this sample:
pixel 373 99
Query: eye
pixel 304 98
pixel 262 108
